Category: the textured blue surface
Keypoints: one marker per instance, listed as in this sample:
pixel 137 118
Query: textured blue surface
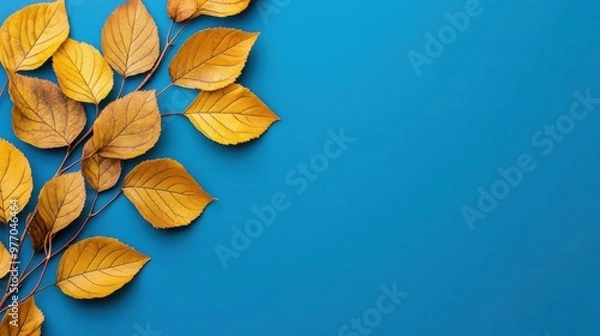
pixel 388 209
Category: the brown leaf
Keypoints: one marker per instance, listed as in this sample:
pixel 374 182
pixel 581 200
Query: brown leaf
pixel 165 194
pixel 231 115
pixel 29 37
pixel 100 172
pixel 16 183
pixel 82 72
pixel 38 231
pixel 26 322
pixel 97 267
pixel 62 200
pixel 130 39
pixel 128 127
pixel 212 58
pixel 42 115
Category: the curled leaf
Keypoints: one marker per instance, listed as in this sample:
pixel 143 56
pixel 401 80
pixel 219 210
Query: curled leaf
pixel 130 40
pixel 16 183
pixel 231 115
pixel 128 127
pixel 100 172
pixel 221 8
pixel 212 58
pixel 5 261
pixel 42 115
pixel 82 72
pixel 62 200
pixel 38 231
pixel 27 322
pixel 29 37
pixel 165 194
pixel 97 267
pixel 181 10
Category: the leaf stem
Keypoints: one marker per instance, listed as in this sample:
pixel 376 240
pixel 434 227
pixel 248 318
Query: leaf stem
pixel 3 89
pixel 169 114
pixel 164 90
pixel 122 87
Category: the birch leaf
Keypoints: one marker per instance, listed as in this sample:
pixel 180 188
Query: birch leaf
pixel 181 10
pixel 97 267
pixel 231 115
pixel 62 200
pixel 212 58
pixel 30 319
pixel 100 172
pixel 165 194
pixel 130 39
pixel 16 183
pixel 221 8
pixel 42 115
pixel 82 72
pixel 5 261
pixel 128 127
pixel 38 231
pixel 29 37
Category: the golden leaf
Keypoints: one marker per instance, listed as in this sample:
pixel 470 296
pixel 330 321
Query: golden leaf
pixel 165 194
pixel 97 267
pixel 181 10
pixel 30 319
pixel 42 115
pixel 82 72
pixel 231 115
pixel 5 261
pixel 29 37
pixel 62 200
pixel 130 39
pixel 101 173
pixel 221 8
pixel 128 127
pixel 16 183
pixel 38 231
pixel 212 58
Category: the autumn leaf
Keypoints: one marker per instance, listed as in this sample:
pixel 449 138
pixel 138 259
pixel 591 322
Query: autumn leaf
pixel 100 172
pixel 181 10
pixel 82 72
pixel 130 39
pixel 165 194
pixel 38 231
pixel 29 37
pixel 231 115
pixel 128 127
pixel 5 261
pixel 62 200
pixel 30 319
pixel 16 183
pixel 42 115
pixel 212 58
pixel 97 267
pixel 221 8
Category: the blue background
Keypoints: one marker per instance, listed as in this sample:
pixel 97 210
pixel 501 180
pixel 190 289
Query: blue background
pixel 387 210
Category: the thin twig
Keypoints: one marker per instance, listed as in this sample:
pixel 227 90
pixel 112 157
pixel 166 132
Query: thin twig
pixel 164 90
pixel 3 89
pixel 169 114
pixel 122 87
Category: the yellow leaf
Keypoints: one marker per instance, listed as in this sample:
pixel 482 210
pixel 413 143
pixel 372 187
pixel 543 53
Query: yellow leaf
pixel 97 267
pixel 212 58
pixel 30 319
pixel 5 261
pixel 231 115
pixel 100 172
pixel 42 115
pixel 181 10
pixel 83 74
pixel 29 37
pixel 165 194
pixel 128 127
pixel 222 8
pixel 61 200
pixel 130 40
pixel 16 183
